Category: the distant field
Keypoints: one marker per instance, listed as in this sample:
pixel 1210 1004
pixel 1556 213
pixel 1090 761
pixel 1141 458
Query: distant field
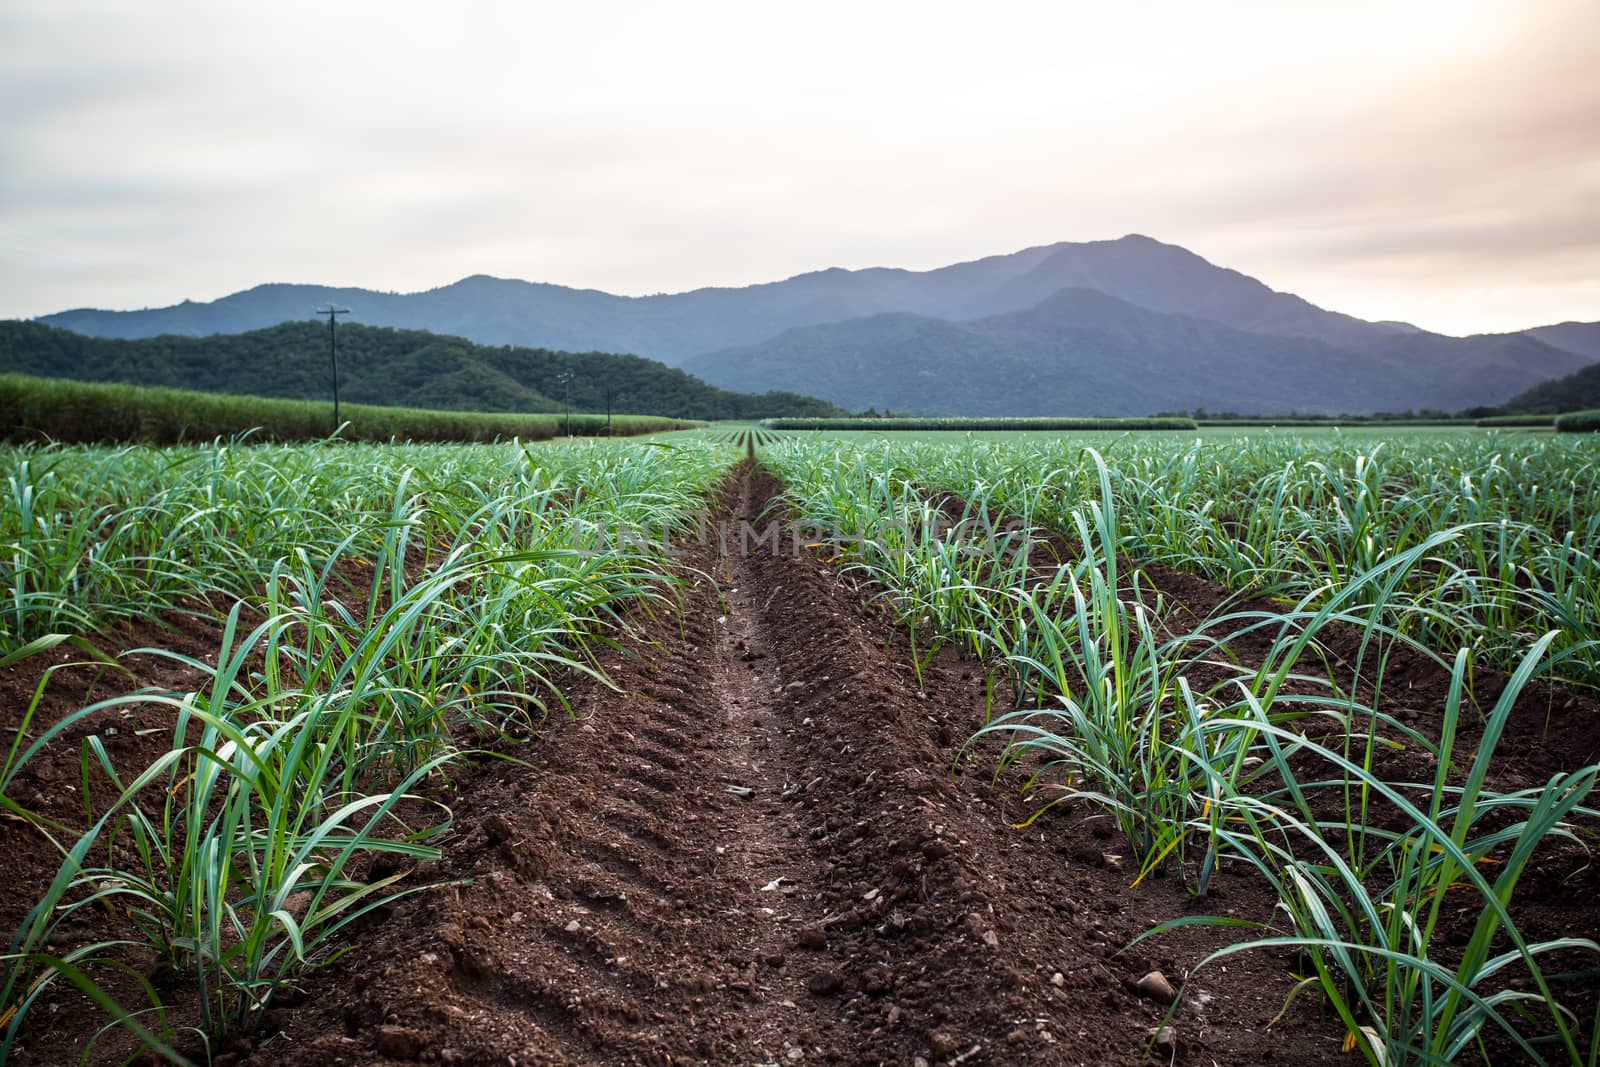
pixel 980 424
pixel 40 409
pixel 1519 420
pixel 1109 437
pixel 1079 425
pixel 1286 422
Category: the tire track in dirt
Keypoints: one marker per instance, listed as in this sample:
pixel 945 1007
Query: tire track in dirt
pixel 630 903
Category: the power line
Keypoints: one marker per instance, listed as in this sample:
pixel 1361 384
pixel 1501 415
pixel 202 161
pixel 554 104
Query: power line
pixel 333 314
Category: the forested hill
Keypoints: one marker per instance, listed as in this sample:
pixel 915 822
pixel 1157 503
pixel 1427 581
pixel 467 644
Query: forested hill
pixel 1579 391
pixel 377 365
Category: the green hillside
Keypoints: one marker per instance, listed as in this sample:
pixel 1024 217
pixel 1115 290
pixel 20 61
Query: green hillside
pixel 380 366
pixel 1578 391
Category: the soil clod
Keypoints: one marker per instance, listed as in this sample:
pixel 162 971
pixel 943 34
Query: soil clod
pixel 1155 986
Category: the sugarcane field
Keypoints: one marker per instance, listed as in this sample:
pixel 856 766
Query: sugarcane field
pixel 1106 746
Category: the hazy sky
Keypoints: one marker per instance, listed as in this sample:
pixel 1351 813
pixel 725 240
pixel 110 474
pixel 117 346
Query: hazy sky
pixel 1431 161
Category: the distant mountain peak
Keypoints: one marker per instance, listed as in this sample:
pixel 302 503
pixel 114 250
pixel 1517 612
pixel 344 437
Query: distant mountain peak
pixel 488 281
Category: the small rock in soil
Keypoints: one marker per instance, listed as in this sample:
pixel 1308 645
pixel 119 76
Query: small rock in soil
pixel 1155 986
pixel 1167 1039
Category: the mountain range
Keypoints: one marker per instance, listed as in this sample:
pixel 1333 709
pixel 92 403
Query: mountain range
pixel 1128 326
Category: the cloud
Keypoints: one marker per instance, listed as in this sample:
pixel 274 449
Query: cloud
pixel 1378 158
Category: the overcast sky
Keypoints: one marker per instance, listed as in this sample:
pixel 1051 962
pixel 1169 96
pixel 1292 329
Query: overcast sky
pixel 1431 161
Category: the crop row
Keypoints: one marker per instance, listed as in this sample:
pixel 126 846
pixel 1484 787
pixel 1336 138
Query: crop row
pixel 1208 760
pixel 1506 527
pixel 90 536
pixel 388 608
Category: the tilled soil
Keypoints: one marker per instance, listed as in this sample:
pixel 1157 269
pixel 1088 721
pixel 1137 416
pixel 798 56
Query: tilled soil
pixel 133 734
pixel 768 846
pixel 764 851
pixel 52 783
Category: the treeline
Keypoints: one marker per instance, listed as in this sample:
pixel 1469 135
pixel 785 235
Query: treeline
pixel 894 423
pixel 388 367
pixel 1579 422
pixel 39 409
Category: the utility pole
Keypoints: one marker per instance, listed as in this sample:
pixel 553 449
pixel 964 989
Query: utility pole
pixel 333 314
pixel 565 378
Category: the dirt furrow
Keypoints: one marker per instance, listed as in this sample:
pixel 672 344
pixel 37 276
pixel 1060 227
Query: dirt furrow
pixel 764 850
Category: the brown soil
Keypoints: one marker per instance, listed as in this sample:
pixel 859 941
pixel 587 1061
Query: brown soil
pixel 51 785
pixel 868 904
pixel 620 898
pixel 1551 730
pixel 134 734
